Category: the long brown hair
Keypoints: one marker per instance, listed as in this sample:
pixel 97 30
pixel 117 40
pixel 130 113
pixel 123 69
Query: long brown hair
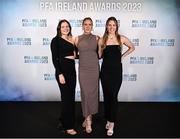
pixel 105 36
pixel 59 34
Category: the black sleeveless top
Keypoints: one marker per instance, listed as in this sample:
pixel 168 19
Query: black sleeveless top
pixel 111 57
pixel 60 48
pixel 112 52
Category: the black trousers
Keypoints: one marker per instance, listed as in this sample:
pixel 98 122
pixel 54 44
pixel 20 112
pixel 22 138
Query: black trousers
pixel 67 93
pixel 111 80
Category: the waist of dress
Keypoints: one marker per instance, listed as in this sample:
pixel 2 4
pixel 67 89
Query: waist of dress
pixel 111 63
pixel 67 61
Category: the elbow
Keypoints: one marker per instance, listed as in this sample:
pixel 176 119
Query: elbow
pixel 133 48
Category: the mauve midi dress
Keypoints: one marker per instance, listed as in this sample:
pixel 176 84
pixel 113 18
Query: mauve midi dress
pixel 88 73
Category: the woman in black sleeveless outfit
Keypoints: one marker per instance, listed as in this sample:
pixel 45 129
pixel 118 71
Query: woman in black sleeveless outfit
pixel 63 54
pixel 110 46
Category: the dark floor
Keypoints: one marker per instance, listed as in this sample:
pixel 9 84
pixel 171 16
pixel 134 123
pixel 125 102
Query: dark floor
pixel 135 119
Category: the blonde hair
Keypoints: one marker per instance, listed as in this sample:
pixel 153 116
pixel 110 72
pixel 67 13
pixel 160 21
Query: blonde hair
pixel 87 18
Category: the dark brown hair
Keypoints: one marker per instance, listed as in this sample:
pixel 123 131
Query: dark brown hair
pixel 59 34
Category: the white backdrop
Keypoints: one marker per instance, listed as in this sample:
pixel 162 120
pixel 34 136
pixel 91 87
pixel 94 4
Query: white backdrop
pixel 151 73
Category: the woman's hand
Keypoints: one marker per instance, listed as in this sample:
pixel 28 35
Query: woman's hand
pixel 62 79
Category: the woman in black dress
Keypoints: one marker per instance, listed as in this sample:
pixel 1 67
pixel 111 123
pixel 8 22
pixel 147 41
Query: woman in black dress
pixel 63 54
pixel 110 48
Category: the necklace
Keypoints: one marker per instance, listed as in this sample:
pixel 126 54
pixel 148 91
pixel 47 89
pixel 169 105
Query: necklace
pixel 111 37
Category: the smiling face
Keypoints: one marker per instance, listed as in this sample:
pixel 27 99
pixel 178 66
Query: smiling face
pixel 64 29
pixel 87 26
pixel 111 27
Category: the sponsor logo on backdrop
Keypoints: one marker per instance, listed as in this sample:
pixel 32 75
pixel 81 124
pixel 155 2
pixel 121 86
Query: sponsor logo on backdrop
pixel 76 22
pixel 129 77
pixel 102 22
pixel 97 22
pixel 48 77
pixel 144 23
pixel 46 41
pixel 141 60
pixel 135 41
pixel 36 59
pixel 13 41
pixel 34 22
pixel 162 42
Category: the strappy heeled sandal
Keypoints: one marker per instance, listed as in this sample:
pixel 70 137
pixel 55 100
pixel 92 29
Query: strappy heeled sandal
pixel 88 126
pixel 110 130
pixel 84 123
pixel 107 125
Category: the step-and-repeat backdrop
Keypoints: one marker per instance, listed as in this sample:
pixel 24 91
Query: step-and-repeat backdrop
pixel 150 73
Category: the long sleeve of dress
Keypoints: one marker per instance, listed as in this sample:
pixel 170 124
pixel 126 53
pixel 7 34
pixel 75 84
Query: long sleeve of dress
pixel 55 56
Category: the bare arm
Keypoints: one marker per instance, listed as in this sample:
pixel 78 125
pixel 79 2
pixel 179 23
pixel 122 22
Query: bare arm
pixel 99 48
pixel 76 41
pixel 129 44
pixel 72 40
pixel 76 48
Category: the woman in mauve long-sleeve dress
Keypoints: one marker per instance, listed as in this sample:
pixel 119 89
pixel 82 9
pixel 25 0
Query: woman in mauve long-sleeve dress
pixel 88 72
